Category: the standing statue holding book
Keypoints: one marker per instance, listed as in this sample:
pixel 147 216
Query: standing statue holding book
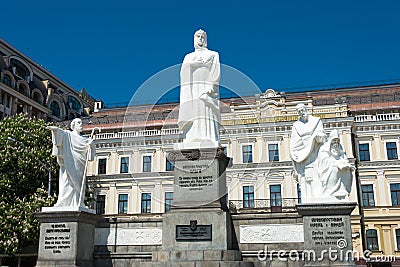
pixel 73 151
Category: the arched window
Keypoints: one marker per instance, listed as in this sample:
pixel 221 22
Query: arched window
pixel 55 109
pixel 7 80
pixel 74 104
pixel 37 97
pixel 19 68
pixel 23 89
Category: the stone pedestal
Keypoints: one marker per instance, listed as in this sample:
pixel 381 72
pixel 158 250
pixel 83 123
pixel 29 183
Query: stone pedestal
pixel 198 230
pixel 327 234
pixel 66 238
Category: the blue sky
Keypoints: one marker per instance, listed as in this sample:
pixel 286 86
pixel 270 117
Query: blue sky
pixel 112 47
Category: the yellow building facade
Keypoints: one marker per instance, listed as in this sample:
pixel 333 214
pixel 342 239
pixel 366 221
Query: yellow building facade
pixel 131 177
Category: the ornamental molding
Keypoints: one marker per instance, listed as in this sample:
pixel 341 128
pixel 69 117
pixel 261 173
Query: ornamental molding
pixel 271 233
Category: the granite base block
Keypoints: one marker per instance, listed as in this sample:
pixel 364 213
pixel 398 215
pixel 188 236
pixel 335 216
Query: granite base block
pixel 327 234
pixel 66 238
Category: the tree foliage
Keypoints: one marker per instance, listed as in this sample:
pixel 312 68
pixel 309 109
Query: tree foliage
pixel 23 179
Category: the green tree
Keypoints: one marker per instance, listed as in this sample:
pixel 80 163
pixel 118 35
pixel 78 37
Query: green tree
pixel 25 146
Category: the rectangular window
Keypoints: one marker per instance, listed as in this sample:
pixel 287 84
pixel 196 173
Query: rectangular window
pixel 102 166
pixel 398 239
pixel 146 203
pixel 363 151
pixel 395 193
pixel 100 204
pixel 169 166
pixel 372 240
pixel 146 163
pixel 391 150
pixel 368 195
pixel 247 153
pixel 275 198
pixel 124 165
pixel 248 197
pixel 122 203
pixel 273 153
pixel 169 196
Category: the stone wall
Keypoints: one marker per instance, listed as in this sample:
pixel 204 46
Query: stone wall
pixel 122 241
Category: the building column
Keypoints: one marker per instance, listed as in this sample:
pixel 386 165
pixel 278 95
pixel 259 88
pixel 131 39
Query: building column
pixel 260 186
pixel 382 194
pixel 136 161
pixel 234 192
pixel 387 240
pixel 289 186
pixel 157 198
pixel 112 198
pixel 378 153
pixel 347 144
pixel 284 148
pixel 134 206
pixel 234 145
pixel 259 148
pixel 157 157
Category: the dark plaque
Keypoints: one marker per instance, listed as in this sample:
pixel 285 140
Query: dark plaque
pixel 193 232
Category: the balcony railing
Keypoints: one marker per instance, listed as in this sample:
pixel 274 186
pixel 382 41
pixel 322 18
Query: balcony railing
pixel 266 205
pixel 377 117
pixel 140 133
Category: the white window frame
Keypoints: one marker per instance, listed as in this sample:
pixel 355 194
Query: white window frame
pixel 152 161
pixel 252 152
pixel 279 150
pixel 120 162
pixel 97 165
pixel 117 200
pixel 397 148
pixel 371 157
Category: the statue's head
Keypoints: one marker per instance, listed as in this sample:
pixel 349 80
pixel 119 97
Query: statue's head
pixel 76 125
pixel 335 148
pixel 302 111
pixel 200 39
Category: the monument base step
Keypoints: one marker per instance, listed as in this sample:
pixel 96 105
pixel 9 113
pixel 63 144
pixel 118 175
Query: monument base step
pixel 196 264
pixel 196 258
pixel 196 255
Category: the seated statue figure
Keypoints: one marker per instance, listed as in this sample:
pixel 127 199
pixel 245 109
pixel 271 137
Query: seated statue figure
pixel 334 170
pixel 307 136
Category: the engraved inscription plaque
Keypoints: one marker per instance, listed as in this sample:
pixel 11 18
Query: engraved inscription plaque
pixel 194 232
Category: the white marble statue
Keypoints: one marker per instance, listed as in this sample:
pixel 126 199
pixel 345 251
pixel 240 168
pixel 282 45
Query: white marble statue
pixel 334 170
pixel 72 151
pixel 307 136
pixel 199 113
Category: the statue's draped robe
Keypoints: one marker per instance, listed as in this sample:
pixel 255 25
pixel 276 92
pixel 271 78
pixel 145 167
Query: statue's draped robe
pixel 72 152
pixel 199 113
pixel 336 182
pixel 303 151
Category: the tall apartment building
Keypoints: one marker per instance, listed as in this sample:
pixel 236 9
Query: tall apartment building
pixel 132 178
pixel 27 87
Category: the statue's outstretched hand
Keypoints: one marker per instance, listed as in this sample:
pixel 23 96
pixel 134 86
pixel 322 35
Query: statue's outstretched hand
pixel 52 128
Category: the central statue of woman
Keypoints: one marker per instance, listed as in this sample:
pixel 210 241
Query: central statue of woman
pixel 199 113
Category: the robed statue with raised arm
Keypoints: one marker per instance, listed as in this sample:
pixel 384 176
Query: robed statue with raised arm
pixel 72 151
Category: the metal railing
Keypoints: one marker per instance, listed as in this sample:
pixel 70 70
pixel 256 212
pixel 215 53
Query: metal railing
pixel 140 133
pixel 267 205
pixel 377 117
